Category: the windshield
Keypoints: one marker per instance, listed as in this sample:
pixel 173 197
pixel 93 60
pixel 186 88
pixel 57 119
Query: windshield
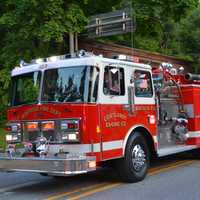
pixel 25 88
pixel 70 84
pixel 67 84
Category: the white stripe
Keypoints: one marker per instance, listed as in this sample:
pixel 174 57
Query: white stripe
pixel 75 148
pixel 86 148
pixel 106 146
pixel 96 147
pixel 193 134
pixel 155 139
pixel 118 144
pixel 175 149
pixel 144 100
pixel 190 85
pixel 130 131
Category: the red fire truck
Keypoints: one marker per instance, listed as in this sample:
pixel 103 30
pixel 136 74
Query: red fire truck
pixel 70 115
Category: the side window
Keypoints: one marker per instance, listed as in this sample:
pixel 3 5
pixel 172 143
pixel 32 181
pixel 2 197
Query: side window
pixel 114 81
pixel 143 84
pixel 93 84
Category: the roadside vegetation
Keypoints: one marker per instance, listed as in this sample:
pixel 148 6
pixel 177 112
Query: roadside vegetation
pixel 2 139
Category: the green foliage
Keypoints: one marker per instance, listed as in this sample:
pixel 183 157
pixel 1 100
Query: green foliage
pixel 157 25
pixel 2 139
pixel 156 22
pixel 189 35
pixel 34 28
pixel 4 85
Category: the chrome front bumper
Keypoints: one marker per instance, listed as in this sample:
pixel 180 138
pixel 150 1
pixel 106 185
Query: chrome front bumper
pixel 69 165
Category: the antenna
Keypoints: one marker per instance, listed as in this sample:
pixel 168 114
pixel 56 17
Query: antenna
pixel 135 25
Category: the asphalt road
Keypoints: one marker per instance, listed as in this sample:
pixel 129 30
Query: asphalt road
pixel 170 178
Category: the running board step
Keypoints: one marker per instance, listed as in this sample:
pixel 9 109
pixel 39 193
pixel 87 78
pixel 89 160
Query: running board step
pixel 165 151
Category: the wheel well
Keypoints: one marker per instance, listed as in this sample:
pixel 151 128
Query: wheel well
pixel 149 140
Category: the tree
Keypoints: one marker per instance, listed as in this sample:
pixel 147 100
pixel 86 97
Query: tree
pixel 34 28
pixel 189 37
pixel 156 22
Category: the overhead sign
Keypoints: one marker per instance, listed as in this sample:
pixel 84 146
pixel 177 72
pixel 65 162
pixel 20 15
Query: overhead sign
pixel 112 23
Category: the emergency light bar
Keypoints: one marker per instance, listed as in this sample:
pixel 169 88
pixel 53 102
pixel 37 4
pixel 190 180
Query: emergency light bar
pixel 80 54
pixel 127 58
pixel 49 59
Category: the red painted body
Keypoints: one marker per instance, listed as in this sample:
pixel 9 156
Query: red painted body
pixel 107 125
pixel 109 116
pixel 113 120
pixel 191 96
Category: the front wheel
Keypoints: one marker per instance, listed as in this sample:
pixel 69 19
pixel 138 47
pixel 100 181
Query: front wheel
pixel 196 153
pixel 133 167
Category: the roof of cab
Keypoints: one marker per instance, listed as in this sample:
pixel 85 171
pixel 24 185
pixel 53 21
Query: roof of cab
pixel 78 61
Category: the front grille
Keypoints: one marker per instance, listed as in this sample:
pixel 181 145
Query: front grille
pixel 31 136
pixel 53 136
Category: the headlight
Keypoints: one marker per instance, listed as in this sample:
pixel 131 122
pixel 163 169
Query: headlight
pixel 13 138
pixel 70 130
pixel 70 125
pixel 13 127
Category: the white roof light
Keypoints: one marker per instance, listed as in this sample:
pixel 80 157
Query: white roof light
pixel 125 57
pixel 52 58
pixel 114 70
pixel 39 60
pixel 22 63
pixel 166 65
pixel 122 57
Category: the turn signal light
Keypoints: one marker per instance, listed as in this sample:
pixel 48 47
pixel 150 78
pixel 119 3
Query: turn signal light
pixel 32 126
pixel 92 164
pixel 70 125
pixel 13 127
pixel 8 128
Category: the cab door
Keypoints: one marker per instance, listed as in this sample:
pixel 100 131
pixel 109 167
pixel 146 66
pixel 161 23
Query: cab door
pixel 113 116
pixel 144 101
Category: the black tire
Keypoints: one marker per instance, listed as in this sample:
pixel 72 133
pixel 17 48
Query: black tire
pixel 130 169
pixel 195 153
pixel 43 174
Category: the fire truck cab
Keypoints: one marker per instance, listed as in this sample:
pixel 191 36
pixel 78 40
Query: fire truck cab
pixel 69 115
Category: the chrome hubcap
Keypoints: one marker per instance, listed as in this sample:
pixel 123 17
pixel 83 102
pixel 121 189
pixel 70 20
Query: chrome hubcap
pixel 138 158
